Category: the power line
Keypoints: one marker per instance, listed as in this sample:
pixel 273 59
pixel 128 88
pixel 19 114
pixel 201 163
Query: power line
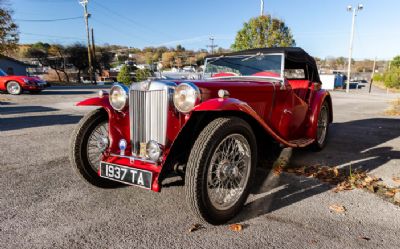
pixel 48 20
pixel 118 30
pixel 138 24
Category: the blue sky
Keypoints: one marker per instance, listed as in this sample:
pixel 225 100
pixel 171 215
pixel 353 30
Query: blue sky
pixel 321 27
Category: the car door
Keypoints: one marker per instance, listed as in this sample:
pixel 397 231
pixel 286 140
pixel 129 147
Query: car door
pixel 289 112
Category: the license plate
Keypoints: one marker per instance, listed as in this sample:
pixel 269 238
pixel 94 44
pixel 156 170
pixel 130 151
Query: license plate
pixel 127 175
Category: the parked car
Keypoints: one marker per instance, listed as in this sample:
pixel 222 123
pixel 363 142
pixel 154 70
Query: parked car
pixel 15 85
pixel 211 130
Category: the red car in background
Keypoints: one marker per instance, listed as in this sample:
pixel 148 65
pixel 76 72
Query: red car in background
pixel 213 131
pixel 15 85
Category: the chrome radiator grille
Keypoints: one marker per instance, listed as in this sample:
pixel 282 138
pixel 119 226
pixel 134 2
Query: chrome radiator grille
pixel 148 117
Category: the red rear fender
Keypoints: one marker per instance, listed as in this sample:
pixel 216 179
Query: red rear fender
pixel 316 103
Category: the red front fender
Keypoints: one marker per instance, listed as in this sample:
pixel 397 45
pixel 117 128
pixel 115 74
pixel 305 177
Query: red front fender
pixel 95 102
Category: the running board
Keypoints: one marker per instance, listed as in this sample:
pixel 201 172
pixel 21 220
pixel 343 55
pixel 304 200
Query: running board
pixel 302 142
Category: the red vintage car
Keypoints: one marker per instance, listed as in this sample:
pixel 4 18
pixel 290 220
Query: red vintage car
pixel 15 85
pixel 211 130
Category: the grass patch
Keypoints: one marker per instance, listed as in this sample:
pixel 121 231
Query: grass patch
pixel 381 85
pixel 394 109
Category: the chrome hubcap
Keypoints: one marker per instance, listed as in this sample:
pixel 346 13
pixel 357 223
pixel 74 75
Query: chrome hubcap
pixel 97 144
pixel 13 88
pixel 322 124
pixel 229 171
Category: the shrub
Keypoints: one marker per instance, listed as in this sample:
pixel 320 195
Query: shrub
pixel 124 75
pixel 392 78
pixel 142 74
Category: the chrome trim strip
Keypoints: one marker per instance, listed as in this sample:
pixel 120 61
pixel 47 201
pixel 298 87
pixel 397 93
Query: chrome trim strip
pixel 135 158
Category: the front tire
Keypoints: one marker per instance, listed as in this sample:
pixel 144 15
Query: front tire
pixel 14 88
pixel 85 160
pixel 220 170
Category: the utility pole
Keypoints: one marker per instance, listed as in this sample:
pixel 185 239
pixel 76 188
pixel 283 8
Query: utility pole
pixel 354 10
pixel 212 46
pixel 262 7
pixel 94 55
pixel 372 75
pixel 84 3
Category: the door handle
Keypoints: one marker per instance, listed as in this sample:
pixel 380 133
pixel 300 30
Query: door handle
pixel 286 111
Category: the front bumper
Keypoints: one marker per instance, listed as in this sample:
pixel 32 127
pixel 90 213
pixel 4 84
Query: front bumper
pixel 137 163
pixel 34 87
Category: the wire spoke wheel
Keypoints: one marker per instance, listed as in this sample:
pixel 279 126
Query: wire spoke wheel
pixel 229 171
pixel 97 143
pixel 322 124
pixel 13 88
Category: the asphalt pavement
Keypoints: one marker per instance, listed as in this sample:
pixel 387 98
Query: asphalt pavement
pixel 44 205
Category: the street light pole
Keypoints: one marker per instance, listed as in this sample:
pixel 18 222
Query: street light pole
pixel 84 3
pixel 262 7
pixel 354 10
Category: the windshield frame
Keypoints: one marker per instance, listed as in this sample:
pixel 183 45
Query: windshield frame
pixel 248 76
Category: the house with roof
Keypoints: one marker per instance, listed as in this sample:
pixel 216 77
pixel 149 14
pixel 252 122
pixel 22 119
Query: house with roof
pixel 14 67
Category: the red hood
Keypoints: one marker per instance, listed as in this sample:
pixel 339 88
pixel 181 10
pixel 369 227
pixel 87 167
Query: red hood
pixel 238 88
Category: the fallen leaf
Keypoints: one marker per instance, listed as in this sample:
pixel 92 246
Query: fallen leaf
pixel 396 179
pixel 368 179
pixel 335 171
pixel 365 238
pixel 236 227
pixel 390 193
pixel 195 227
pixel 337 208
pixel 278 170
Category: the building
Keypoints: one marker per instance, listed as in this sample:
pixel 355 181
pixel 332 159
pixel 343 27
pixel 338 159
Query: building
pixel 14 67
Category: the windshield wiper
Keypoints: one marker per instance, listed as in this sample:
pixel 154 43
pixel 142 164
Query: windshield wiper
pixel 251 57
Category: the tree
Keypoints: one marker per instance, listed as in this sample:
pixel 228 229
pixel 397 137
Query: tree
pixel 168 59
pixel 103 59
pixel 124 75
pixel 261 32
pixel 9 36
pixel 52 56
pixel 396 61
pixel 78 57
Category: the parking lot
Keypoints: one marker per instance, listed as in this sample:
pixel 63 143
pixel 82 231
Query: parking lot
pixel 44 205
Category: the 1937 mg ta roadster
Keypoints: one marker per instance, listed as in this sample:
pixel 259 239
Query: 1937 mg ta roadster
pixel 211 130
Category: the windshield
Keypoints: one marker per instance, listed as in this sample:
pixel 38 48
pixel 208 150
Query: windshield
pixel 258 65
pixel 2 73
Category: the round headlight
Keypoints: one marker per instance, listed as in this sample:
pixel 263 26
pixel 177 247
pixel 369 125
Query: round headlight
pixel 153 150
pixel 118 97
pixel 186 97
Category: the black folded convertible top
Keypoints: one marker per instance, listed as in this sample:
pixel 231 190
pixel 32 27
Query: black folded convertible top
pixel 296 58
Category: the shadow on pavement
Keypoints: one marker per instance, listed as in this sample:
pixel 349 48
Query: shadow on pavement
pixel 15 123
pixel 25 109
pixel 351 143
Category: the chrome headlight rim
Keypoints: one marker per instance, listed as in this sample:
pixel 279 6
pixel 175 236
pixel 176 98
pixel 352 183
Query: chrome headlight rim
pixel 124 90
pixel 153 150
pixel 196 97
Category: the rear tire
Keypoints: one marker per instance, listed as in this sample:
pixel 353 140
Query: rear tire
pixel 14 88
pixel 216 186
pixel 79 149
pixel 322 127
